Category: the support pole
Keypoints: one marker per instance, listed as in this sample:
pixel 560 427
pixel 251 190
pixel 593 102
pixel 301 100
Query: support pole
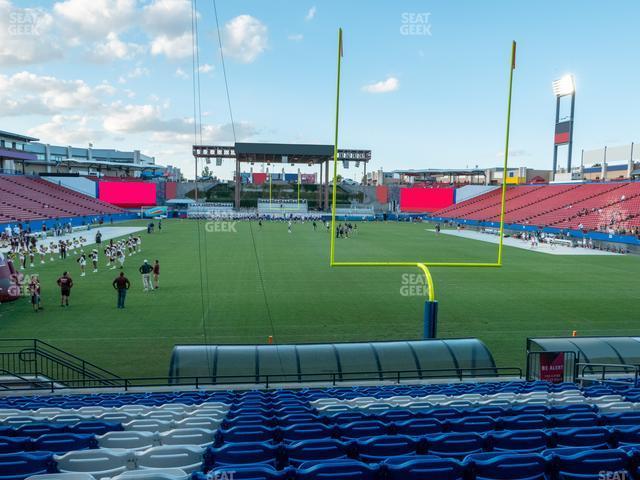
pixel 320 189
pixel 238 183
pixel 506 154
pixel 326 189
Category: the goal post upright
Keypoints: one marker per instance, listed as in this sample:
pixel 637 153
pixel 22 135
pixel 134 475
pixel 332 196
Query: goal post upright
pixel 431 307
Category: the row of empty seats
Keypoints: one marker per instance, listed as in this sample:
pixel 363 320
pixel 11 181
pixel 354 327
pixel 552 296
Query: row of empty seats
pixel 275 434
pixel 27 198
pixel 592 205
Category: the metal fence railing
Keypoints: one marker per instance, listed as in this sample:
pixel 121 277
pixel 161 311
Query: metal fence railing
pixel 267 381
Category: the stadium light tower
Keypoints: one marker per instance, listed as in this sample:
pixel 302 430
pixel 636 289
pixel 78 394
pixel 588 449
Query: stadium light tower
pixel 564 87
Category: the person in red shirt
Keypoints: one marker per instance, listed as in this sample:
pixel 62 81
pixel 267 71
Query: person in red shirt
pixel 156 275
pixel 66 284
pixel 121 284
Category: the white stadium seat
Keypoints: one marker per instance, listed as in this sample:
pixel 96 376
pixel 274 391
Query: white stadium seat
pixel 128 439
pixel 101 463
pixel 153 474
pixel 149 425
pixel 62 476
pixel 187 436
pixel 185 457
pixel 208 423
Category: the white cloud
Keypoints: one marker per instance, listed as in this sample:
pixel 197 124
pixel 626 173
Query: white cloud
pixel 172 47
pixel 296 37
pixel 181 73
pixel 26 93
pixel 245 37
pixel 311 14
pixel 205 68
pixel 167 17
pixel 210 133
pixel 114 49
pixel 83 20
pixel 67 130
pixel 26 36
pixel 391 84
pixel 141 118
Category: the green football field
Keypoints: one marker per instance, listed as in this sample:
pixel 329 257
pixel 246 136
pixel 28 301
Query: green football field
pixel 242 284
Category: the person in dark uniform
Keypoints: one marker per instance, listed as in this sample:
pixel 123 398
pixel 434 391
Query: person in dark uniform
pixel 121 284
pixel 66 284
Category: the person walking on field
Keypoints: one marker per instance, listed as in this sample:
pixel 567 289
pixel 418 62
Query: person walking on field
pixel 146 270
pixel 121 284
pixel 156 275
pixel 65 283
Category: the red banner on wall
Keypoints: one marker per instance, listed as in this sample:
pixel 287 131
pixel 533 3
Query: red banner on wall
pixel 425 199
pixel 552 367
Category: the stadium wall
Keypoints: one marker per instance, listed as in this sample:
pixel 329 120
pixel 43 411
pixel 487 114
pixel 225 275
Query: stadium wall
pixel 36 225
pixel 128 194
pixel 425 199
pixel 79 184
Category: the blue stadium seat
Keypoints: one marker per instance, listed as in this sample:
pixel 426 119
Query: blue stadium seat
pixel 396 415
pixel 473 424
pixel 315 450
pixel 442 413
pixel 348 417
pixel 593 464
pixel 338 470
pixel 571 408
pixel 37 429
pixel 18 466
pixel 242 454
pixel 64 442
pixel 572 420
pixel 622 418
pixel 365 428
pixel 419 426
pixel 95 427
pixel 594 437
pixel 627 434
pixel 526 422
pixel 296 418
pixel 491 411
pixel 14 444
pixel 423 467
pixel 502 466
pixel 377 449
pixel 521 441
pixel 249 433
pixel 248 420
pixel 454 445
pixel 306 431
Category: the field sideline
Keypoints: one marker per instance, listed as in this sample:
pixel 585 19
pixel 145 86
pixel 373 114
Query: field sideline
pixel 267 282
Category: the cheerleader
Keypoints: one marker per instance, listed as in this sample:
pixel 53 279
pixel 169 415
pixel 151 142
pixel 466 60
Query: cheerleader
pixel 53 247
pixel 82 261
pixel 23 259
pixel 43 253
pixel 94 260
pixel 32 254
pixel 121 257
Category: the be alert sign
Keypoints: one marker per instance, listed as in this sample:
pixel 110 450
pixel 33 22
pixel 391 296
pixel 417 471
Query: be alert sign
pixel 552 367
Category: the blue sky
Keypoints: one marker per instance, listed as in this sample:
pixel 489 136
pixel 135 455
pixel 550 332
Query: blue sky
pixel 117 73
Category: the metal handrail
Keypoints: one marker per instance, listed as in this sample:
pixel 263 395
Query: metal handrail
pixel 268 380
pixel 581 367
